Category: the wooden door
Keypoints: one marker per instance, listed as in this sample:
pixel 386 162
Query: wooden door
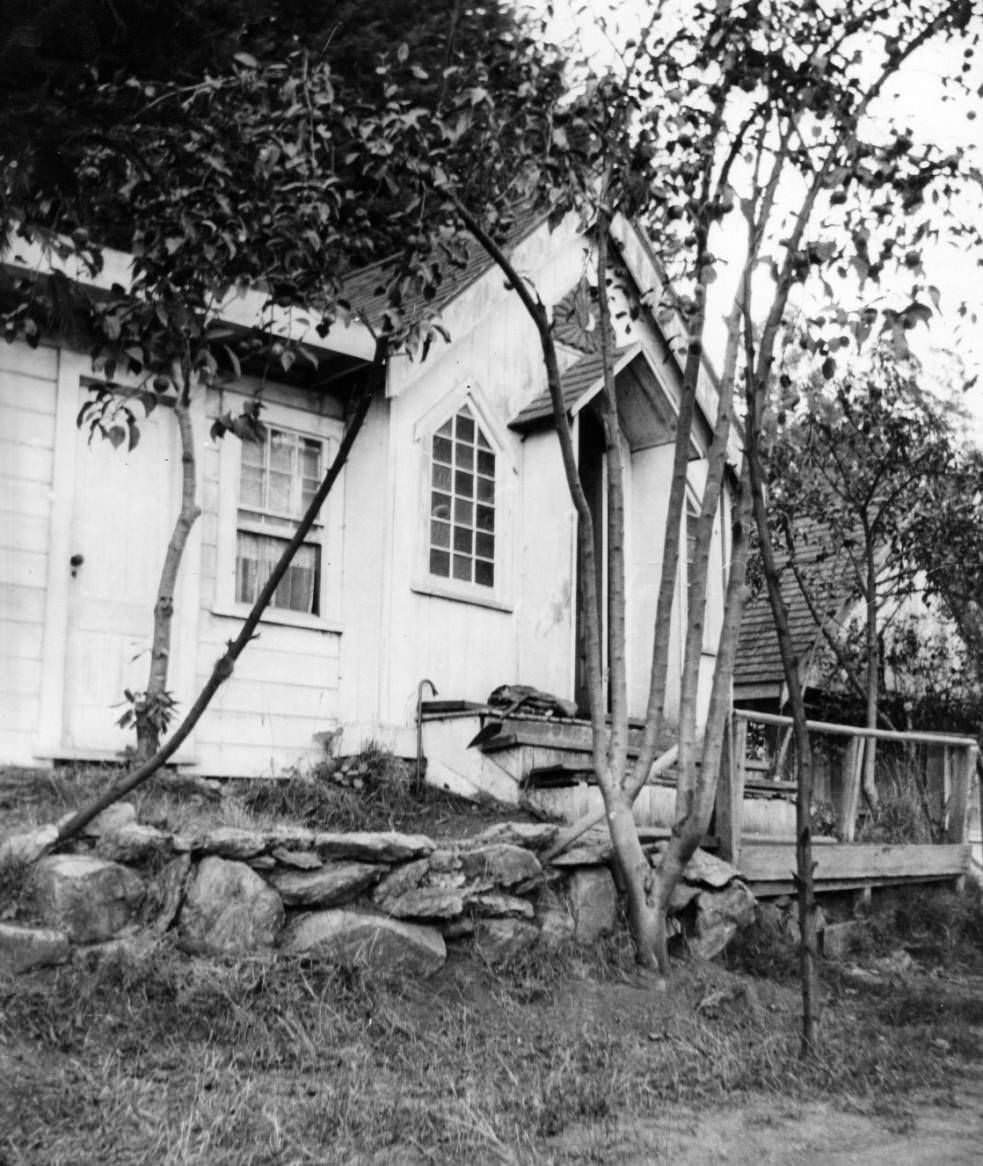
pixel 123 508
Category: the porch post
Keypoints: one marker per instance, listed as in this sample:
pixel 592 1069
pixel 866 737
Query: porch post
pixel 853 759
pixel 963 771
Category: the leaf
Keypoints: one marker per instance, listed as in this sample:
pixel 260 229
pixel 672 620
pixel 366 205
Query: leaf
pixel 403 53
pixel 247 60
pixel 829 368
pixel 917 313
pixel 116 435
pixel 134 437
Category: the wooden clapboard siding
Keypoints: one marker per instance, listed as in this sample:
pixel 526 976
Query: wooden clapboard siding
pixel 27 438
pixel 285 685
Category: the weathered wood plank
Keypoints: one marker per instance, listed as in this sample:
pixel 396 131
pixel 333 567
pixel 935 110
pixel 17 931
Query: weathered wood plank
pixel 787 886
pixel 962 773
pixel 856 730
pixel 853 759
pixel 775 862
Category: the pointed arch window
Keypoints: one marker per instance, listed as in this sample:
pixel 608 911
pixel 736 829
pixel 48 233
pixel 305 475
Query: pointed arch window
pixel 462 502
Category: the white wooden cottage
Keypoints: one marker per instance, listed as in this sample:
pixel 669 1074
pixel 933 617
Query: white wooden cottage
pixel 446 551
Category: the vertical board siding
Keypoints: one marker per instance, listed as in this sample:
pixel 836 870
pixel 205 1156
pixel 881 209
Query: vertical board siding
pixel 27 436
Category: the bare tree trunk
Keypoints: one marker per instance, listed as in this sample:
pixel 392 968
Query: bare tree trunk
pixel 224 666
pixel 808 950
pixel 617 757
pixel 151 716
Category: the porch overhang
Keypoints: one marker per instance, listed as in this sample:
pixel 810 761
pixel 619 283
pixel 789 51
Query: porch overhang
pixel 646 410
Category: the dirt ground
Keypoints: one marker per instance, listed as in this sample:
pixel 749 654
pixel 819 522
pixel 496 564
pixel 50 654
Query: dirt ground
pixel 770 1133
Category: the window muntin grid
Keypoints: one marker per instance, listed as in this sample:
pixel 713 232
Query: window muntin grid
pixel 462 502
pixel 278 477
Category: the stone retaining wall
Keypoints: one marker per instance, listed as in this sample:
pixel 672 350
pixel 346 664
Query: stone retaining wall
pixel 390 899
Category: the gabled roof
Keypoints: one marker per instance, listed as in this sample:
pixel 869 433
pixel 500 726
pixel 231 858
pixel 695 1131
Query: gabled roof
pixel 580 383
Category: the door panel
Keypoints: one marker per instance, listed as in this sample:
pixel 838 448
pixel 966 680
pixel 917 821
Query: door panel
pixel 123 509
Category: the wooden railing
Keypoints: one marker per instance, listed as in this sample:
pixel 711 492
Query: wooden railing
pixel 955 771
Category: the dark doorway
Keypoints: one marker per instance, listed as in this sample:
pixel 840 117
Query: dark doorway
pixel 590 456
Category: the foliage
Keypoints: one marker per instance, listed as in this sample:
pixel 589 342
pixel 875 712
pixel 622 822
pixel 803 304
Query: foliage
pixel 72 73
pixel 858 464
pixel 152 710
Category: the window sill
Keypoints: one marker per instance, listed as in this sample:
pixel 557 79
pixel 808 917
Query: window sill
pixel 278 617
pixel 438 589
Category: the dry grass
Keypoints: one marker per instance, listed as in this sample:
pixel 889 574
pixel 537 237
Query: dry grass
pixel 156 1058
pixel 372 791
pixel 149 1056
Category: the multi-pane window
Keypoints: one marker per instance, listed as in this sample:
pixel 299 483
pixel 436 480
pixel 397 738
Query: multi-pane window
pixel 278 478
pixel 462 502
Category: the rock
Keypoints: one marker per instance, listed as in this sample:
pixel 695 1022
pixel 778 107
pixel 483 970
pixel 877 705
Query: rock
pixel 719 915
pixel 491 903
pixel 263 862
pixel 709 870
pixel 556 927
pixel 133 843
pixel 460 928
pixel 501 940
pixel 164 893
pixel 340 882
pixel 402 879
pixel 182 843
pixel 501 864
pixel 126 951
pixel 386 846
pixel 289 838
pixel 23 948
pixel 444 862
pixel 228 909
pixel 347 937
pixel 28 846
pixel 597 854
pixel 593 903
pixel 230 842
pixel 531 835
pixel 425 903
pixel 86 896
pixel 682 895
pixel 297 859
pixel 113 818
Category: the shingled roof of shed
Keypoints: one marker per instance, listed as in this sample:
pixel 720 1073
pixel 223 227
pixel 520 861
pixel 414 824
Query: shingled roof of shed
pixel 759 661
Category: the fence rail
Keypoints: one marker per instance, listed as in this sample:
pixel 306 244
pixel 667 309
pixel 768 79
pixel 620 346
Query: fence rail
pixel 950 764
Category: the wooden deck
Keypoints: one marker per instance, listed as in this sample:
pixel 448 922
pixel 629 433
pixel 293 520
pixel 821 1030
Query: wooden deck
pixel 769 865
pixel 768 861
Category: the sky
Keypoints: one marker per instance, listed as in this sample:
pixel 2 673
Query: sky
pixel 916 98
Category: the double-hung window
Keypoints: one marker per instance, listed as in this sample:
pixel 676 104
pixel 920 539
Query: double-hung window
pixel 278 477
pixel 462 502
